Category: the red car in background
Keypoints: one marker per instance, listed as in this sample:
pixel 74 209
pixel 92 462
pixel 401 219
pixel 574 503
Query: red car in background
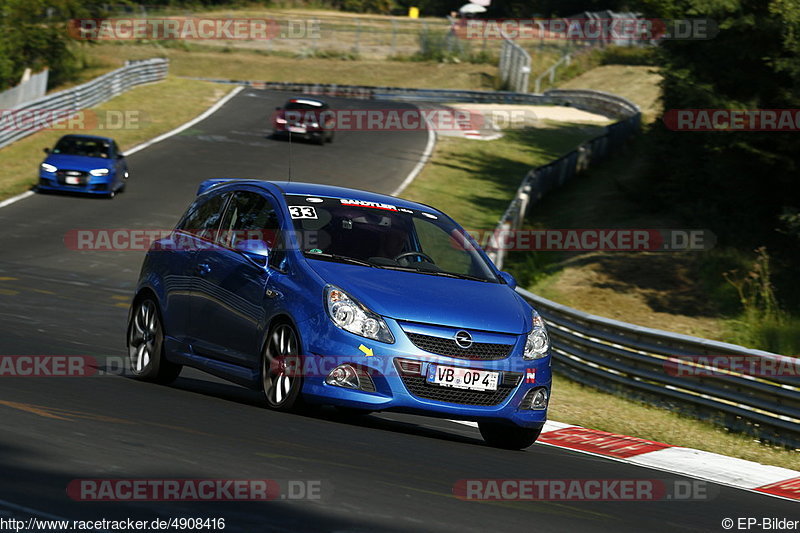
pixel 305 118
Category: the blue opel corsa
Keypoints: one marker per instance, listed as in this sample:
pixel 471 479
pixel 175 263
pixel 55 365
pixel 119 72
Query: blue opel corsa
pixel 324 295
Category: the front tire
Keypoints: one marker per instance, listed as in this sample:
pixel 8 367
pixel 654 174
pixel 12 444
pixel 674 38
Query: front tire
pixel 508 437
pixel 146 359
pixel 281 379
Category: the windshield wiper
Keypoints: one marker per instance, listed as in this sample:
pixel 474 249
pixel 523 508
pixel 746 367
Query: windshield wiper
pixel 452 275
pixel 432 272
pixel 340 258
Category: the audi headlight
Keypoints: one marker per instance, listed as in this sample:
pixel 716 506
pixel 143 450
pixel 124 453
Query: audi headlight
pixel 47 167
pixel 537 344
pixel 99 172
pixel 350 315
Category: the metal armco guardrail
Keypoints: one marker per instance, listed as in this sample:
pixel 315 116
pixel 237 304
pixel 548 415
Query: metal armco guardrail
pixel 676 370
pixel 83 96
pixel 543 179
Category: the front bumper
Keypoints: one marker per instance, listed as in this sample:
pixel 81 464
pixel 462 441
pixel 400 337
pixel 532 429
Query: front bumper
pixel 310 133
pixel 94 185
pixel 328 346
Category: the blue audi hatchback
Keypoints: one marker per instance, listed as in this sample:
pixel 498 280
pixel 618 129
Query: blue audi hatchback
pixel 316 294
pixel 84 164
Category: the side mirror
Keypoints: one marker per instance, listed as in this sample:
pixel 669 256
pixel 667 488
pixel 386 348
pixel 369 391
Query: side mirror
pixel 120 155
pixel 508 279
pixel 277 108
pixel 254 249
pixel 47 150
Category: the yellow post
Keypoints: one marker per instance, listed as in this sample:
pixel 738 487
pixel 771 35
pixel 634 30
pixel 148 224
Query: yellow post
pixel 413 12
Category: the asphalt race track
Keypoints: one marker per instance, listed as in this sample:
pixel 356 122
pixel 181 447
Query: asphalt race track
pixel 381 472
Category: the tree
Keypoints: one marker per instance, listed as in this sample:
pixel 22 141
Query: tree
pixel 736 183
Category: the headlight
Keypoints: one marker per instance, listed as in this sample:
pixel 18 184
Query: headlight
pixel 47 167
pixel 350 315
pixel 99 172
pixel 538 342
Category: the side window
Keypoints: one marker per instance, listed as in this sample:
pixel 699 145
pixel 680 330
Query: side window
pixel 249 216
pixel 114 149
pixel 203 217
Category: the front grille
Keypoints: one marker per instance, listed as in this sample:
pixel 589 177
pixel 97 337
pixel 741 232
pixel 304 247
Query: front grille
pixel 63 174
pixel 419 387
pixel 448 347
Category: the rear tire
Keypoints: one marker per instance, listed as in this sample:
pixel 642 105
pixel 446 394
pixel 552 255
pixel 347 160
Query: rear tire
pixel 146 359
pixel 508 437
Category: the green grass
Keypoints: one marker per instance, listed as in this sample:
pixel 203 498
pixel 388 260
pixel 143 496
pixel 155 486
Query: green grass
pixel 640 84
pixel 573 403
pixel 192 61
pixel 473 181
pixel 161 107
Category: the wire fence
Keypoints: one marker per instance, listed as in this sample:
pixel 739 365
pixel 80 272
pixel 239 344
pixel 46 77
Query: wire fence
pixel 35 86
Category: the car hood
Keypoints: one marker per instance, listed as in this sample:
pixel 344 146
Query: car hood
pixel 78 162
pixel 430 299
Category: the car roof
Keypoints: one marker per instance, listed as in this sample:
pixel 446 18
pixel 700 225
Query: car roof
pixel 318 189
pixel 92 137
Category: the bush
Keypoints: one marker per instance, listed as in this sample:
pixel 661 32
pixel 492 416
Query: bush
pixel 629 55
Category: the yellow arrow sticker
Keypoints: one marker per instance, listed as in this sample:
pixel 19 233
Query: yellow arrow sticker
pixel 367 351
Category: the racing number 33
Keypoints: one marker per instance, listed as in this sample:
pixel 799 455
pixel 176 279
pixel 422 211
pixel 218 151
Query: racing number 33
pixel 302 211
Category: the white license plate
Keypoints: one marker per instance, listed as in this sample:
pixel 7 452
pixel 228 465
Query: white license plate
pixel 72 180
pixel 462 378
pixel 297 129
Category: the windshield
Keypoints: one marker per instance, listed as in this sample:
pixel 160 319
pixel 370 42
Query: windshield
pixel 303 106
pixel 83 146
pixel 384 236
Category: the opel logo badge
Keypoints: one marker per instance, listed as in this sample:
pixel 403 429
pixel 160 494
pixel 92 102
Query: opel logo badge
pixel 463 339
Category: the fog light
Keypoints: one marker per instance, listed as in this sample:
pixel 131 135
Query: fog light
pixel 344 376
pixel 536 399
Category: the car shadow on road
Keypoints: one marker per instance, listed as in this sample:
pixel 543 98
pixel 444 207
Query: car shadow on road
pixel 241 395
